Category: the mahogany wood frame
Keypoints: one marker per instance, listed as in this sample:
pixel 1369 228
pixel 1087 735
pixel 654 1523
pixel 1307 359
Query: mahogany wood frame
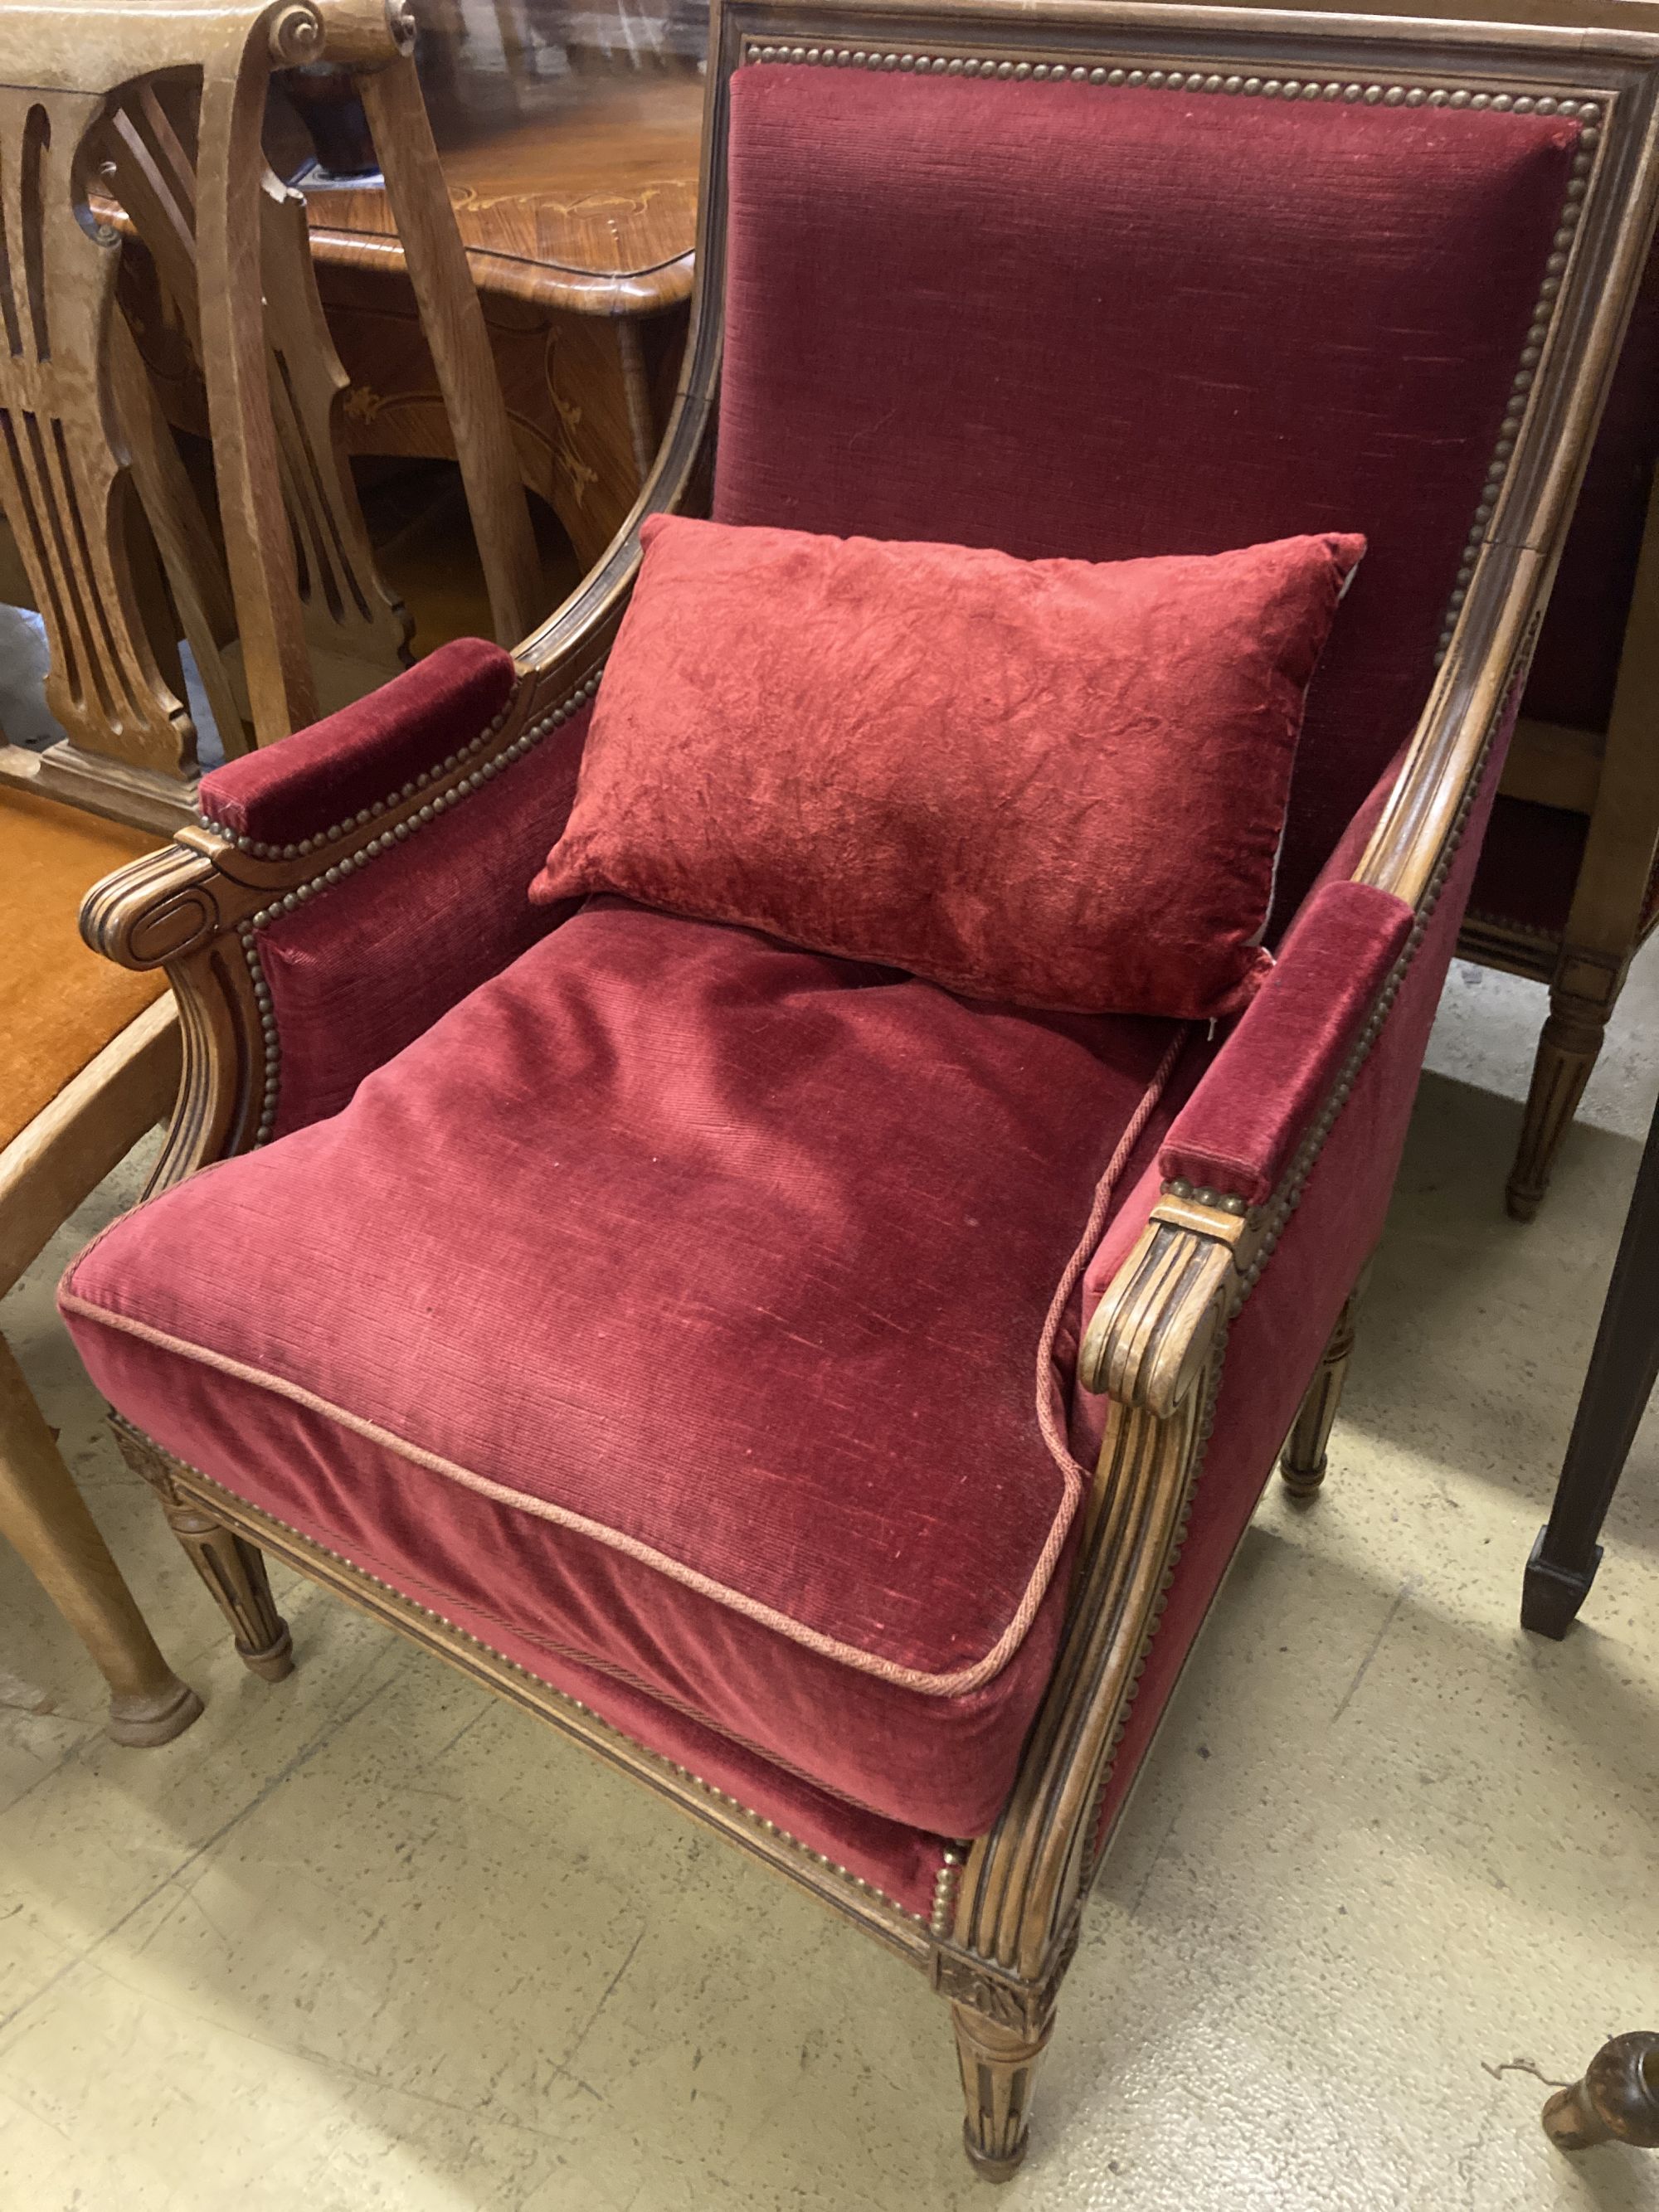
pixel 1007 1917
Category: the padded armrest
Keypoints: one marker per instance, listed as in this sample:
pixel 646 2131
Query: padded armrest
pixel 1238 1132
pixel 279 801
pixel 350 884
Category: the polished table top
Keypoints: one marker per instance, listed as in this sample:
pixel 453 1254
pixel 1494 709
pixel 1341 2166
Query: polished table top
pixel 569 140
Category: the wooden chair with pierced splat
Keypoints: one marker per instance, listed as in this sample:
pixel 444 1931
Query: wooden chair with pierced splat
pixel 135 128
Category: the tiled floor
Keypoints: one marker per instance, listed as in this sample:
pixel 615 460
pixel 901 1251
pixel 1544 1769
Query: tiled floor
pixel 368 1942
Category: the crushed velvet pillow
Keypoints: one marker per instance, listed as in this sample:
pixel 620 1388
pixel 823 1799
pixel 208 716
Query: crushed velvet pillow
pixel 1058 782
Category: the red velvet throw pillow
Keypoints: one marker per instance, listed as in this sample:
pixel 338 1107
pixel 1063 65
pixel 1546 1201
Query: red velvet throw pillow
pixel 1058 782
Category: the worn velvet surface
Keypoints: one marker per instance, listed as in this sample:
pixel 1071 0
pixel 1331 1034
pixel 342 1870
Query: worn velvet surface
pixel 1058 782
pixel 1066 320
pixel 362 970
pixel 367 751
pixel 725 1272
pixel 1528 867
pixel 1241 1128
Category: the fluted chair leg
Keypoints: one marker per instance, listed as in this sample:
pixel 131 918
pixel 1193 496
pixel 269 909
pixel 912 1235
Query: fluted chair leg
pixel 998 2071
pixel 1567 1051
pixel 232 1569
pixel 1301 1463
pixel 1617 2102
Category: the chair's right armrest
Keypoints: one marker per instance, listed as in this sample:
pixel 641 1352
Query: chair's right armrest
pixel 1264 1106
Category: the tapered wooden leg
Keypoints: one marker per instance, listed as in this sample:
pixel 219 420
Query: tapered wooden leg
pixel 1301 1463
pixel 232 1569
pixel 1618 2099
pixel 999 2069
pixel 1567 1051
pixel 45 1515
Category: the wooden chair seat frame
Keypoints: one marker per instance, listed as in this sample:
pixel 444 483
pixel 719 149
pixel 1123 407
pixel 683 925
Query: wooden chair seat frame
pixel 1007 1911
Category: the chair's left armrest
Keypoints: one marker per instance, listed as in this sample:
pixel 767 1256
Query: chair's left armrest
pixel 346 887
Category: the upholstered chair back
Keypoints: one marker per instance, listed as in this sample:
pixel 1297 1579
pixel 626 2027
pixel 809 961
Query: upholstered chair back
pixel 1106 319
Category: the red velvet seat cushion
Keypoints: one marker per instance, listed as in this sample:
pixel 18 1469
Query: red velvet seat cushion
pixel 1058 782
pixel 678 1301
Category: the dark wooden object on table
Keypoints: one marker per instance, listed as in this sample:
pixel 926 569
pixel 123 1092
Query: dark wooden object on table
pixel 569 143
pixel 1623 1369
pixel 1617 2102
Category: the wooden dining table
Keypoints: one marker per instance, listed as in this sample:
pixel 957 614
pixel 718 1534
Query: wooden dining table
pixel 568 138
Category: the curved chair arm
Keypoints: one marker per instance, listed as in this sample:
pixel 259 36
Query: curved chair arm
pixel 300 820
pixel 1156 1344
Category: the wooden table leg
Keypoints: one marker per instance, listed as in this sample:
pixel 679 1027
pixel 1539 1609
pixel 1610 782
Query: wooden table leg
pixel 45 1516
pixel 1623 1369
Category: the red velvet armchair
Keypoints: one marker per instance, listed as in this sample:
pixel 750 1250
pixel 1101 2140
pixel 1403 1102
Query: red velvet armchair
pixel 832 1401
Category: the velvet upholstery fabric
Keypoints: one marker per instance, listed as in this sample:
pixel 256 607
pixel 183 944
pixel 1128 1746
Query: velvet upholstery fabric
pixel 1056 782
pixel 723 1275
pixel 1528 868
pixel 1576 664
pixel 368 965
pixel 1276 1341
pixel 1241 1128
pixel 343 764
pixel 1098 323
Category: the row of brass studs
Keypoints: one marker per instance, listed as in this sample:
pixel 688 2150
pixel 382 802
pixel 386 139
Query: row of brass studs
pixel 289 900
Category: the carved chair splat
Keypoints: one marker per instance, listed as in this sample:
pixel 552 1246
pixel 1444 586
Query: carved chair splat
pixel 160 109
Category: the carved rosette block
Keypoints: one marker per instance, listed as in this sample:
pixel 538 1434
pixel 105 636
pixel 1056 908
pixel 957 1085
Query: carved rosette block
pixel 1617 2102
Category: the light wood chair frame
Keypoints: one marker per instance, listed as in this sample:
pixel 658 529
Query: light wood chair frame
pixel 1006 1908
pixel 45 1171
pixel 82 440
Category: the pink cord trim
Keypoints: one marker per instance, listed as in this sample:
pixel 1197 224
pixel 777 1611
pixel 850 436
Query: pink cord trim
pixel 957 1682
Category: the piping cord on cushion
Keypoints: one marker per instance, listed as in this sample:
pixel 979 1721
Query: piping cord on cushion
pixel 1586 112
pixel 547 1690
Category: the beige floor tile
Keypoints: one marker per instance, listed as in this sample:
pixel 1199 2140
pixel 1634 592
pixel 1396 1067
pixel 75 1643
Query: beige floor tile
pixel 369 1942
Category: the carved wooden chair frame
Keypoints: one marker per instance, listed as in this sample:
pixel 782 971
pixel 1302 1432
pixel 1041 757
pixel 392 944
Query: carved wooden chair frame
pixel 162 103
pixel 1006 1906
